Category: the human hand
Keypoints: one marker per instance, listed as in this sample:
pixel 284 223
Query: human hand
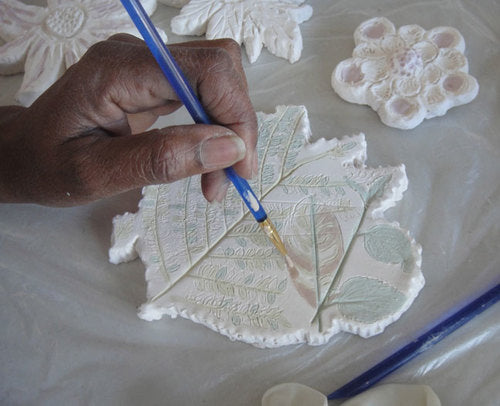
pixel 84 138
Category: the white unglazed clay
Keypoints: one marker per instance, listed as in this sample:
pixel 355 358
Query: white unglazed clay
pixel 396 395
pixel 349 269
pixel 45 41
pixel 296 394
pixel 293 394
pixel 405 75
pixel 273 23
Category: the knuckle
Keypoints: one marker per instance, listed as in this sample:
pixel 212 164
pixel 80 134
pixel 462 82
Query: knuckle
pixel 231 46
pixel 106 56
pixel 228 44
pixel 221 85
pixel 121 37
pixel 219 61
pixel 98 50
pixel 93 64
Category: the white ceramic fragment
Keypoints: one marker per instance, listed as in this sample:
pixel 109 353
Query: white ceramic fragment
pixel 405 75
pixel 293 394
pixel 296 394
pixel 254 23
pixel 45 41
pixel 348 268
pixel 396 395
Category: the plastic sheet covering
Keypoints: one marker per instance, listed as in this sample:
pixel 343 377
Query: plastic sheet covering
pixel 69 331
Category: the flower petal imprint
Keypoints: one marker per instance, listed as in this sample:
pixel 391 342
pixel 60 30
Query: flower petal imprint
pixel 45 41
pixel 405 75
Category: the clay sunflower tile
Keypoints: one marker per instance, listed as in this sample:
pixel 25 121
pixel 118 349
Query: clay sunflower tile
pixel 405 75
pixel 254 23
pixel 45 41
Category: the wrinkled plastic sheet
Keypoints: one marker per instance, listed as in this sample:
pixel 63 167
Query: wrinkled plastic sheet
pixel 69 331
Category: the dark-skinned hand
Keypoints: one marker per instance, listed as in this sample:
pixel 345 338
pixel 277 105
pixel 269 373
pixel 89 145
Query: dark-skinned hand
pixel 85 138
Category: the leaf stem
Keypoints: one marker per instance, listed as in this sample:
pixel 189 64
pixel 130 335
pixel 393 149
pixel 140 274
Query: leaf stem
pixel 245 211
pixel 266 150
pixel 338 271
pixel 315 258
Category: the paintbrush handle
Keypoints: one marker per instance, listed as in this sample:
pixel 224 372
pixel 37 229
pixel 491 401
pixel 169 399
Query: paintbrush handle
pixel 416 347
pixel 166 61
pixel 186 94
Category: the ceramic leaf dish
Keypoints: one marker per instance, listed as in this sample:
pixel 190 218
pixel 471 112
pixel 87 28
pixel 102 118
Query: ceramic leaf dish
pixel 350 269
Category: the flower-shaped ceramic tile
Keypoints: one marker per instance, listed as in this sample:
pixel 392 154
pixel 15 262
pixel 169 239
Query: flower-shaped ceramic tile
pixel 349 269
pixel 406 75
pixel 273 23
pixel 45 41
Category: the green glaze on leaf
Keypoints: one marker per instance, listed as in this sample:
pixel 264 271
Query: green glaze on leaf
pixel 213 263
pixel 368 300
pixel 377 188
pixel 388 244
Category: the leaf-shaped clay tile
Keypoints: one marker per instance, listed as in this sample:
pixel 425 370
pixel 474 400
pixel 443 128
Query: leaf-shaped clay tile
pixel 213 265
pixel 272 23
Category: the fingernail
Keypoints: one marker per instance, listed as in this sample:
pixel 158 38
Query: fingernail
pixel 223 151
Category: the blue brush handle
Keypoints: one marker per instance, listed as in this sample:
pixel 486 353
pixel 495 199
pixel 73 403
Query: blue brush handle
pixel 186 94
pixel 416 347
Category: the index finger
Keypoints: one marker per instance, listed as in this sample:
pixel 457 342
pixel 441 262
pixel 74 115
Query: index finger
pixel 217 73
pixel 232 47
pixel 217 76
pixel 126 79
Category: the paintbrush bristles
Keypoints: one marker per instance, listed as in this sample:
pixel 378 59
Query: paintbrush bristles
pixel 273 235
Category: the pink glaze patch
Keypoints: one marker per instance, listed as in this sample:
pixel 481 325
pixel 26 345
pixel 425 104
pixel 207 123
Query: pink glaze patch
pixel 374 31
pixel 443 39
pixel 453 83
pixel 351 74
pixel 401 107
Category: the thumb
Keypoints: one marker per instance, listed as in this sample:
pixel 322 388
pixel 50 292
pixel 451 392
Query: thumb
pixel 118 164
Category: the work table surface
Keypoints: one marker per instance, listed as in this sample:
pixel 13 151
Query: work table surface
pixel 70 333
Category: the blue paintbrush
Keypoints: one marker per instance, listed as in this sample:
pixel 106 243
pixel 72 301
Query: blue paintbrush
pixel 186 94
pixel 418 346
